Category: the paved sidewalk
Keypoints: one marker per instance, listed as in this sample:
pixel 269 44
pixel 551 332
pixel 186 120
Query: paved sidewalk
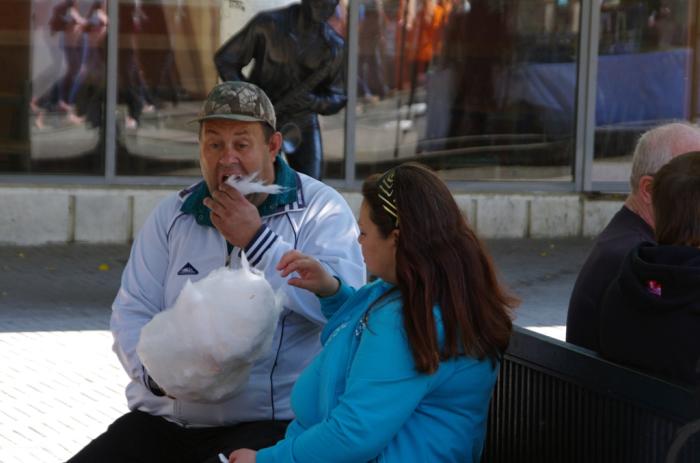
pixel 60 383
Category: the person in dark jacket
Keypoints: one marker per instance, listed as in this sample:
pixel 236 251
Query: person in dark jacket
pixel 633 224
pixel 650 317
pixel 299 62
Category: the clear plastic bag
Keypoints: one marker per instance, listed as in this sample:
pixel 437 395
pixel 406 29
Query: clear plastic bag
pixel 202 348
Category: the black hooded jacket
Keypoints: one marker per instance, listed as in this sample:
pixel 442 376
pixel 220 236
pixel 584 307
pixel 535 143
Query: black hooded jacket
pixel 650 317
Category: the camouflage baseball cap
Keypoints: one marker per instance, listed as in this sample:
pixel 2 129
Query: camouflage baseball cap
pixel 238 101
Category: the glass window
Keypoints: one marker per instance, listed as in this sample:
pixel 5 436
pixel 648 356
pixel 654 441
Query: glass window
pixel 478 89
pixel 52 91
pixel 172 53
pixel 165 71
pixel 645 77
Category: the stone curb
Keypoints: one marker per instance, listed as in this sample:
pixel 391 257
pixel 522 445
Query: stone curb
pixel 42 215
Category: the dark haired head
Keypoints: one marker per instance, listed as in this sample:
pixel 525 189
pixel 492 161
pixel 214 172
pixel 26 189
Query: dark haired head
pixel 319 11
pixel 439 260
pixel 676 201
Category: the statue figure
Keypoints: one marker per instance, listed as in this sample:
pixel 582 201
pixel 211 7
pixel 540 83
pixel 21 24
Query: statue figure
pixel 299 63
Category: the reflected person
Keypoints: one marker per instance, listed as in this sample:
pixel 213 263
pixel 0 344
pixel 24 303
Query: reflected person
pixel 299 64
pixel 68 20
pixel 90 84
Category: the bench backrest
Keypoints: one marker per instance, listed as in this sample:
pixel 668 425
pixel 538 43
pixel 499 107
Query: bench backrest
pixel 555 402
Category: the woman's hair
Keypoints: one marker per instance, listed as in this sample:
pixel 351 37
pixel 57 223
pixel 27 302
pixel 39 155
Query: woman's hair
pixel 676 201
pixel 439 260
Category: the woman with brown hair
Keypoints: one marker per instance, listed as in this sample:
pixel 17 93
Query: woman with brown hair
pixel 650 318
pixel 410 360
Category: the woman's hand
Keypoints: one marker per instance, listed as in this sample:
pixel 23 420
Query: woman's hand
pixel 312 275
pixel 242 456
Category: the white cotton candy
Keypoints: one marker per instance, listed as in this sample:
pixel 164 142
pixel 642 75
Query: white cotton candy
pixel 250 184
pixel 202 348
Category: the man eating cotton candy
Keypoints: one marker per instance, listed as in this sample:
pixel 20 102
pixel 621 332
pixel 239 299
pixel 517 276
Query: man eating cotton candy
pixel 205 227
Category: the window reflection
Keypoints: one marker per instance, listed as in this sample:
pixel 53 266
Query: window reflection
pixel 167 66
pixel 480 89
pixel 333 125
pixel 165 71
pixel 645 77
pixel 52 90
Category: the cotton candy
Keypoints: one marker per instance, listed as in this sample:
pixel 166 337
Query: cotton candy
pixel 251 184
pixel 203 347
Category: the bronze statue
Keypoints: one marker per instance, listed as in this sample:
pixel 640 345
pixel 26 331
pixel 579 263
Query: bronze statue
pixel 299 63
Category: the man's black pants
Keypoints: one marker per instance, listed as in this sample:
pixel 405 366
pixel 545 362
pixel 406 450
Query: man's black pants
pixel 138 437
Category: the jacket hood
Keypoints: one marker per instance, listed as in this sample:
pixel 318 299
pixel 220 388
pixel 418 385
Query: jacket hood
pixel 661 277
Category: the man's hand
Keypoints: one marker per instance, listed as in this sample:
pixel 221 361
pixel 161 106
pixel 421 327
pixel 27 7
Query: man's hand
pixel 242 456
pixel 236 218
pixel 312 275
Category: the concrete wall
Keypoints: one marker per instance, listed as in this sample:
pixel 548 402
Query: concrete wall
pixel 40 215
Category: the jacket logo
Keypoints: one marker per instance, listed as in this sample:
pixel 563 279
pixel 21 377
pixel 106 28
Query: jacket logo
pixel 188 269
pixel 654 287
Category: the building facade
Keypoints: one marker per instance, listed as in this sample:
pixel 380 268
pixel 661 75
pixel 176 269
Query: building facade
pixel 528 108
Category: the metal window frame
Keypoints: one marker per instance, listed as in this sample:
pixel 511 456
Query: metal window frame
pixel 353 47
pixel 481 186
pixel 589 35
pixel 111 92
pixel 582 167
